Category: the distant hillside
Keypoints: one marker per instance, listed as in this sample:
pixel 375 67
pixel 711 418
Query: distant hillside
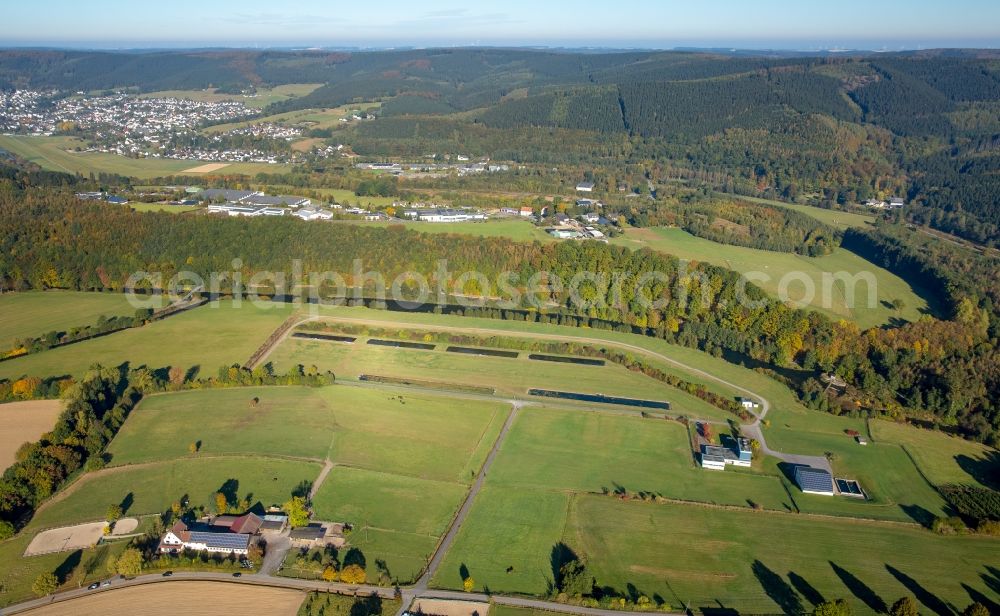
pixel 923 125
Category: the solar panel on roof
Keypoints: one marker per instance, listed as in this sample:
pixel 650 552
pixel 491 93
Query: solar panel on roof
pixel 814 479
pixel 220 540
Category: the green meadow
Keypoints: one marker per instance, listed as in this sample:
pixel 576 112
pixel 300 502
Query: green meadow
pixel 207 337
pixel 768 269
pixel 33 313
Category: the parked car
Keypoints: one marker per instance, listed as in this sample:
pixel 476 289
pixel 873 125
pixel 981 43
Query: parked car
pixel 167 573
pixel 106 584
pixel 94 586
pixel 237 574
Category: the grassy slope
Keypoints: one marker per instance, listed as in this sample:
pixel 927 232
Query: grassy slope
pixel 507 376
pixel 287 421
pixel 942 458
pixel 33 313
pixel 776 265
pixel 834 218
pixel 262 98
pixel 426 436
pixel 517 230
pixel 595 452
pixel 208 336
pixel 155 486
pixel 54 153
pixel 885 471
pixel 706 557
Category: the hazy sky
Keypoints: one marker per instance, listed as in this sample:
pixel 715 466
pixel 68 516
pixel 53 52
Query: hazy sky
pixel 793 24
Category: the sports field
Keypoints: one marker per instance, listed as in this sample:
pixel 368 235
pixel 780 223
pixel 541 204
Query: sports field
pixel 208 337
pixel 162 207
pixel 33 313
pixel 768 268
pixel 508 376
pixel 23 422
pixel 58 154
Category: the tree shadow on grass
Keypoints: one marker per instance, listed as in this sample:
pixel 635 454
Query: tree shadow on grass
pixel 805 588
pixel 860 590
pixel 68 566
pixel 924 596
pixel 919 515
pixel 985 470
pixel 979 597
pixel 127 502
pixel 777 589
pixel 561 555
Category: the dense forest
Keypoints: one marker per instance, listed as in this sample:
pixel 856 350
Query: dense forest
pixel 948 371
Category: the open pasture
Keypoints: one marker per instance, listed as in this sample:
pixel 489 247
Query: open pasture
pixel 711 558
pixel 258 100
pixel 895 487
pixel 24 422
pixel 209 337
pixel 33 313
pixel 419 435
pixel 943 459
pixel 769 268
pixel 396 518
pixel 507 540
pixel 265 421
pixel 598 452
pixel 152 488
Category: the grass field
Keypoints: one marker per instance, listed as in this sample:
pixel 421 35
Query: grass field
pixel 22 422
pixel 397 519
pixel 598 452
pixel 728 559
pixel 287 421
pixel 74 569
pixel 153 487
pixel 200 598
pixel 837 220
pixel 33 313
pixel 307 118
pixel 507 528
pixel 508 376
pixel 887 474
pixel 162 207
pixel 517 230
pixel 260 99
pixel 776 265
pixel 943 459
pixel 208 336
pixel 56 154
pixel 425 436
